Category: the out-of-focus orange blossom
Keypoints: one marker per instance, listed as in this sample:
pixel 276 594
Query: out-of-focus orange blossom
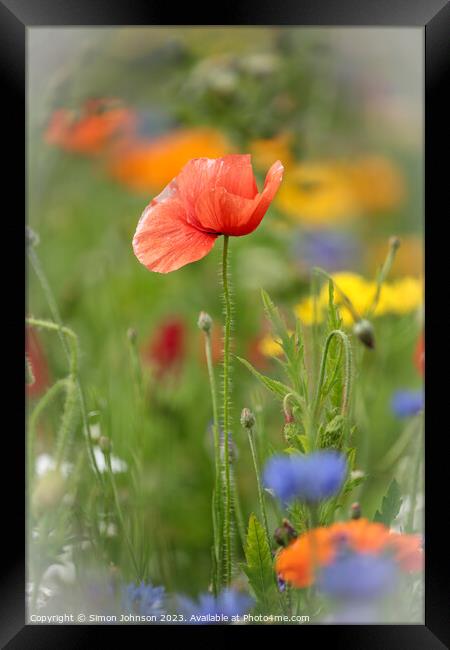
pixel 91 129
pixel 145 165
pixel 298 562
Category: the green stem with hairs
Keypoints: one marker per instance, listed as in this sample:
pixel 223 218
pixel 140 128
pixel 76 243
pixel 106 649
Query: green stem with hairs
pixel 347 373
pixel 228 533
pixel 35 262
pixel 217 495
pixel 262 504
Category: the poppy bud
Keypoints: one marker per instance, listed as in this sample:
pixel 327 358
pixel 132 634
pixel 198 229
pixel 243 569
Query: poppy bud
pixel 247 419
pixel 132 334
pixel 204 321
pixel 394 242
pixel 364 331
pixel 104 444
pixel 355 510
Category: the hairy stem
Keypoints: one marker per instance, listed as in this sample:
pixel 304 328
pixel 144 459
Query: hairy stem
pixel 347 373
pixel 217 495
pixel 226 415
pixel 35 262
pixel 262 504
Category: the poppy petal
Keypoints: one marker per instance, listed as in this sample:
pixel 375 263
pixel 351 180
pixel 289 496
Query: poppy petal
pixel 164 241
pixel 223 213
pixel 233 172
pixel 271 184
pixel 220 211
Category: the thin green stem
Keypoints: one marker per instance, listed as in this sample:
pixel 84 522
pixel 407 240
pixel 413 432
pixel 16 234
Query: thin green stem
pixel 226 415
pixel 120 515
pixel 68 335
pixel 262 504
pixel 35 262
pixel 347 373
pixel 217 495
pixel 43 403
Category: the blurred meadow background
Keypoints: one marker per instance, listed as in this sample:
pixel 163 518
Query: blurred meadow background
pixel 113 115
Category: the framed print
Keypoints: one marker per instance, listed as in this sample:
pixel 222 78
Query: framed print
pixel 225 321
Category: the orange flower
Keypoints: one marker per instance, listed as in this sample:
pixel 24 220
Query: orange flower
pixel 147 165
pixel 295 564
pixel 99 123
pixel 208 198
pixel 361 535
pixel 317 547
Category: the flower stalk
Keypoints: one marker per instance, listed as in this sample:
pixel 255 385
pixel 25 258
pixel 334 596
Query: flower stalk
pixel 228 533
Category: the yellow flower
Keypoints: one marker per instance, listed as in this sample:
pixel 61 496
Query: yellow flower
pixel 305 311
pixel 404 295
pixel 270 346
pixel 317 193
pixel 399 297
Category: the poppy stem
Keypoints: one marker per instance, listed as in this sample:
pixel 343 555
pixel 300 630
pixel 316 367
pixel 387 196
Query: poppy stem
pixel 217 510
pixel 226 414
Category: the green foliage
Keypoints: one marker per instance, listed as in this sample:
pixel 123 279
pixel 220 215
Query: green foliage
pixel 391 504
pixel 273 385
pixel 259 566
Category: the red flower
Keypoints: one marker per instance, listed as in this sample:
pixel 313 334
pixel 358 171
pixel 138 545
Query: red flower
pixel 208 198
pixel 166 349
pixel 88 132
pixel 419 354
pixel 38 363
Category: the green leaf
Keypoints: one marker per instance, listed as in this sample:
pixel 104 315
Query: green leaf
pixel 273 315
pixel 271 384
pixel 390 506
pixel 259 567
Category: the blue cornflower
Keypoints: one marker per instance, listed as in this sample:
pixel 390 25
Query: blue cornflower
pixel 330 250
pixel 407 402
pixel 209 609
pixel 143 599
pixel 358 576
pixel 311 478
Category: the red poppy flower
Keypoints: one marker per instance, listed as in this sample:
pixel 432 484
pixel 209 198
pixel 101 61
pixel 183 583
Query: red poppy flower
pixel 419 354
pixel 38 363
pixel 208 198
pixel 166 349
pixel 89 131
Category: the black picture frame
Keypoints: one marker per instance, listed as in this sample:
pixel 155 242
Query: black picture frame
pixel 434 16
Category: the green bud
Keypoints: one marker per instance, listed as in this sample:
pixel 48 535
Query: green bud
pixel 204 321
pixel 247 419
pixel 132 334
